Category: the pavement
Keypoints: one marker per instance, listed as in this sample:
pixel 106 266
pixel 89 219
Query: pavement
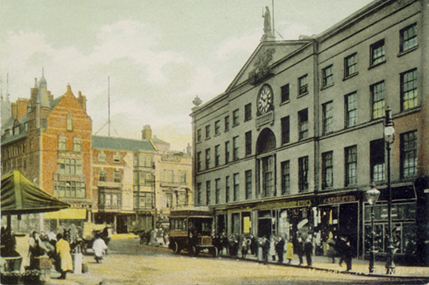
pixel 359 267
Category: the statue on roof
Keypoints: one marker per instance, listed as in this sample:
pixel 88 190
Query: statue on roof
pixel 267 21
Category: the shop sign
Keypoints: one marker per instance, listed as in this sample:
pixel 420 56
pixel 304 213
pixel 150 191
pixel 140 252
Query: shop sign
pixel 296 204
pixel 339 199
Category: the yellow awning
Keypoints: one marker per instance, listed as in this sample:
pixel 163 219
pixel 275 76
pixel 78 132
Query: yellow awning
pixel 67 214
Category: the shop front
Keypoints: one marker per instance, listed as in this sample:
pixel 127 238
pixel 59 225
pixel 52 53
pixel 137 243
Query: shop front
pixel 338 216
pixel 404 224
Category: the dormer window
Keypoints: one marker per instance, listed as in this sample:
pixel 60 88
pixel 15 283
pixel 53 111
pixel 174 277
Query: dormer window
pixel 16 130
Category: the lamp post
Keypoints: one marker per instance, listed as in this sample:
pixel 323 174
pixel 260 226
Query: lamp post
pixel 389 137
pixel 372 197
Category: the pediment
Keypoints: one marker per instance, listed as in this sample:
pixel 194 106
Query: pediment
pixel 259 66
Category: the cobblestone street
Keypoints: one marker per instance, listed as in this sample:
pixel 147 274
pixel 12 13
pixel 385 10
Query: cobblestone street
pixel 129 262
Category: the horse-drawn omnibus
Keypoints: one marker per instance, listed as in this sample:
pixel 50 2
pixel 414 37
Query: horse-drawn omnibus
pixel 192 230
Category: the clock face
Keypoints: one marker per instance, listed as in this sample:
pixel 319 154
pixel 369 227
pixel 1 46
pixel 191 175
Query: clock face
pixel 265 99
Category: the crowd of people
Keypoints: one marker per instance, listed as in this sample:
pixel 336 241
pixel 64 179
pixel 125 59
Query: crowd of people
pixel 276 248
pixel 57 247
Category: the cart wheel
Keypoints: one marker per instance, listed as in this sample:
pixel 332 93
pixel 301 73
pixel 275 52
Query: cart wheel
pixel 176 247
pixel 194 251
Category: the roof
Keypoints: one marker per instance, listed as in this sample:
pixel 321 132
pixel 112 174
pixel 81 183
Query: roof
pixel 112 143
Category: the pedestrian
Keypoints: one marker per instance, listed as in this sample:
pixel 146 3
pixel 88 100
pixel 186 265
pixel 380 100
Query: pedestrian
pixel 308 248
pixel 63 250
pixel 35 250
pixel 245 245
pixel 99 247
pixel 265 248
pixel 299 249
pixel 289 252
pixel 331 247
pixel 280 247
pixel 348 254
pixel 272 250
pixel 341 249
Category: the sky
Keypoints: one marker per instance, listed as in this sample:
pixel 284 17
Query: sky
pixel 158 54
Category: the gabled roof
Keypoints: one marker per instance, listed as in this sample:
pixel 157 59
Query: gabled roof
pixel 112 143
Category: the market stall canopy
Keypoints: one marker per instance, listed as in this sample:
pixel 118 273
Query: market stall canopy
pixel 20 196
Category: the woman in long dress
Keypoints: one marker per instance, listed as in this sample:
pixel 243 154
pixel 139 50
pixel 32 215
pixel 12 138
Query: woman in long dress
pixel 289 253
pixel 63 250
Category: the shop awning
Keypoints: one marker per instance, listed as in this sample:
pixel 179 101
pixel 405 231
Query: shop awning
pixel 67 214
pixel 20 196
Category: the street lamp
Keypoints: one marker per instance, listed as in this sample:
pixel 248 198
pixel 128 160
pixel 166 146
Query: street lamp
pixel 389 137
pixel 372 197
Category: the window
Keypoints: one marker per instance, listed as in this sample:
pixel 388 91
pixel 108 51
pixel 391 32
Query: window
pixel 169 176
pixel 303 85
pixel 351 110
pixel 327 170
pixel 285 130
pixel 248 137
pixel 285 177
pixel 117 176
pixel 101 157
pixel 69 189
pixel 303 124
pixel 183 177
pixel 351 165
pixel 235 148
pixel 378 102
pixel 328 76
pixel 236 186
pixel 169 198
pixel 303 173
pixel 207 158
pixel 208 192
pixel 377 53
pixel 378 166
pixel 285 93
pixel 77 144
pixel 62 143
pixel 248 175
pixel 268 176
pixel 350 65
pixel 69 122
pixel 141 159
pixel 409 154
pixel 248 112
pixel 102 176
pixel 235 117
pixel 328 117
pixel 409 90
pixel 199 161
pixel 143 178
pixel 16 130
pixel 217 155
pixel 227 151
pixel 199 193
pixel 143 201
pixel 69 166
pixel 199 136
pixel 207 131
pixel 408 38
pixel 227 189
pixel 117 158
pixel 226 123
pixel 217 128
pixel 217 189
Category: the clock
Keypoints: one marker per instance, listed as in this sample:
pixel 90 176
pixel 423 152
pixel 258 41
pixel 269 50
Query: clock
pixel 265 99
